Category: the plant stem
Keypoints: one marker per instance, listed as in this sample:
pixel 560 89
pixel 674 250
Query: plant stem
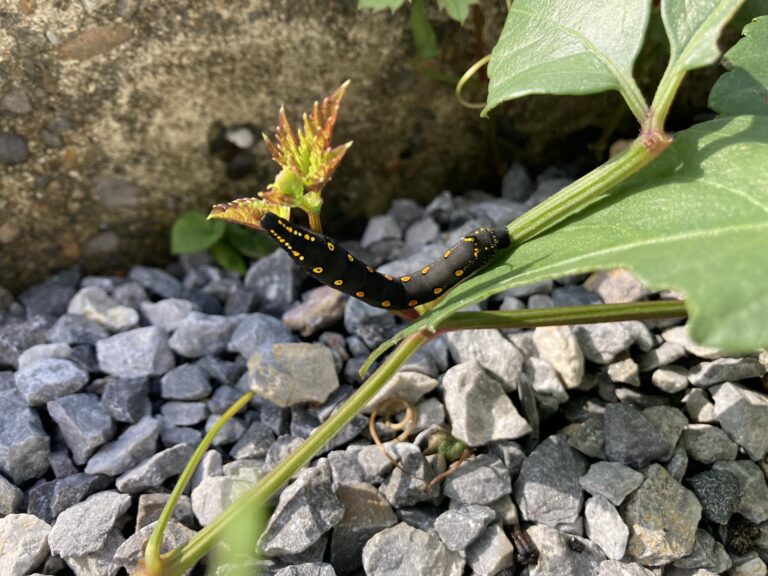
pixel 314 222
pixel 153 563
pixel 580 193
pixel 590 314
pixel 186 556
pixel 664 96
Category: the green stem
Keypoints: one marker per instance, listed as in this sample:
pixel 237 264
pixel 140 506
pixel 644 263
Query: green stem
pixel 581 193
pixel 183 558
pixel 683 60
pixel 665 95
pixel 633 97
pixel 591 314
pixel 314 222
pixel 153 563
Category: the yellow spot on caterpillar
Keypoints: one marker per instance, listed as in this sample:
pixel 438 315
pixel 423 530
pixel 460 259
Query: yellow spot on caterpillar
pixel 388 277
pixel 437 291
pixel 338 282
pixel 306 236
pixel 413 303
pixel 405 278
pixel 386 304
pixel 350 258
pixel 469 239
pixel 296 253
pixel 331 247
pixel 317 269
pixel 425 270
pixel 458 272
pixel 369 269
pixel 311 238
pixel 360 294
pixel 446 254
pixel 301 258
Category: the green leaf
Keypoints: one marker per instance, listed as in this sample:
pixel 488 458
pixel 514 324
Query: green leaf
pixel 227 257
pixel 744 90
pixel 378 5
pixel 695 221
pixel 567 47
pixel 457 9
pixel 192 232
pixel 424 37
pixel 249 242
pixel 693 27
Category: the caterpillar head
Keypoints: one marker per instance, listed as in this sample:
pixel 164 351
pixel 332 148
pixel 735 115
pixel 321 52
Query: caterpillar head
pixel 490 239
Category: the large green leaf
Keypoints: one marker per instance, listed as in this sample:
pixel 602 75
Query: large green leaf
pixel 744 90
pixel 695 221
pixel 457 9
pixel 567 47
pixel 192 232
pixel 693 27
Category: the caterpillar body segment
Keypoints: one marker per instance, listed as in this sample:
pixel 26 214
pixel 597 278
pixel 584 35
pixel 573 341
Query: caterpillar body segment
pixel 320 257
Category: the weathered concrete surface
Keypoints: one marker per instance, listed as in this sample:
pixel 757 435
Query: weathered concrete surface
pixel 105 106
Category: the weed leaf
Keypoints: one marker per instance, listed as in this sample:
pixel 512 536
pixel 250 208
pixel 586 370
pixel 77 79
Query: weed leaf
pixel 191 232
pixel 457 9
pixel 566 47
pixel 693 27
pixel 744 89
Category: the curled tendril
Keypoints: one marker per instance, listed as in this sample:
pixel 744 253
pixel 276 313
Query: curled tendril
pixel 388 409
pixel 466 77
pixel 441 442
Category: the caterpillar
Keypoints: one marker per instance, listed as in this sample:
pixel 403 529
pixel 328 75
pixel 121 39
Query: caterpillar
pixel 323 259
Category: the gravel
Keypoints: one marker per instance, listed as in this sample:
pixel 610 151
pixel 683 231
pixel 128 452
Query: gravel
pixel 631 437
pixel 83 423
pixel 49 378
pixel 185 382
pixel 135 353
pixel 479 481
pixel 611 480
pixel 547 490
pixel 366 513
pixel 637 450
pixel 24 547
pixel 136 443
pixel 85 527
pixel 662 517
pixel 492 552
pixel 24 444
pixel 479 409
pixel 719 492
pixel 492 351
pixel 460 527
pixel 605 527
pixel 402 547
pixel 558 346
pixel 291 373
pixel 306 510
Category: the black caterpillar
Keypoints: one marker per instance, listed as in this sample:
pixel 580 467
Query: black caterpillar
pixel 320 257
